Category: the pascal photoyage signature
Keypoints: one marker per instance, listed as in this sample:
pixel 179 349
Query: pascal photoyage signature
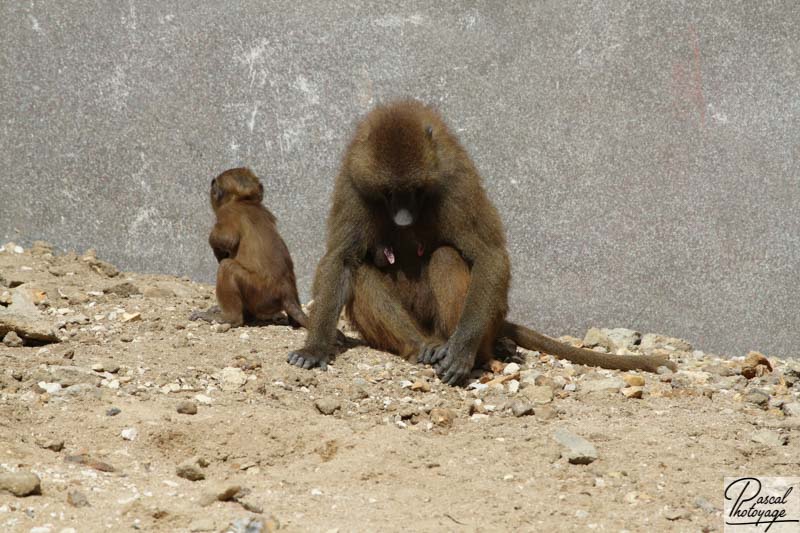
pixel 752 508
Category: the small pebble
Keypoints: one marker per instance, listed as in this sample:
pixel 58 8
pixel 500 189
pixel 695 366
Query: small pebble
pixel 705 505
pixel 757 397
pixel 55 445
pixel 632 392
pixel 232 378
pixel 190 469
pixel 327 406
pixel 545 412
pixel 633 380
pixel 791 409
pixel 521 408
pixel 579 450
pixel 442 417
pixel 77 499
pixel 768 437
pixel 12 340
pixel 20 483
pixel 221 328
pixel 538 394
pixel 187 407
pixel 129 433
pixel 511 368
pixel 113 411
pixel 421 386
pixel 676 514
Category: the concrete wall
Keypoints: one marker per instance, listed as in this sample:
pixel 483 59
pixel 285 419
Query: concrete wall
pixel 644 155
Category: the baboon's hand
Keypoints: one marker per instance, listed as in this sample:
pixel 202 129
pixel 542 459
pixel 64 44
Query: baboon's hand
pixel 308 357
pixel 427 354
pixel 453 363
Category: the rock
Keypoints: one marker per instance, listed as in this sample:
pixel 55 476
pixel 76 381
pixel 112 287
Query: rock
pixel 131 317
pixel 538 394
pixel 49 388
pixel 250 504
pixel 511 368
pixel 632 392
pixel 41 248
pixel 676 514
pixel 91 462
pixel 232 378
pixel 191 469
pixel 545 412
pixel 757 397
pixel 327 406
pixel 527 378
pixel 442 417
pixel 633 380
pixel 12 340
pixel 687 379
pixel 755 365
pixel 55 445
pixel 220 494
pixel 520 408
pixel 202 399
pixel 612 339
pixel 705 505
pixel 113 411
pixel 187 407
pixel 123 290
pixel 601 385
pixel 77 499
pixel 248 525
pixel 69 375
pixel 109 366
pixel 653 341
pixel 11 247
pixel 720 369
pixel 157 292
pixel 220 328
pixel 421 386
pixel 579 450
pixel 25 319
pixel 768 437
pixel 129 433
pixel 513 386
pixel 791 409
pixel 103 268
pixel 20 483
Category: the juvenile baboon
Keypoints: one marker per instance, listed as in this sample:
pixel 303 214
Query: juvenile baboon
pixel 255 276
pixel 416 253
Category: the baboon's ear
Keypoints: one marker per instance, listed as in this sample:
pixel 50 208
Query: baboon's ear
pixel 216 191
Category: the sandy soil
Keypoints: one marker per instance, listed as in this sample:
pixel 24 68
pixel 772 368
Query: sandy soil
pixel 397 449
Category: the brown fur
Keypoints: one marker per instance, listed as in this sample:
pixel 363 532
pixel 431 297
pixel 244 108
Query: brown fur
pixel 255 277
pixel 445 297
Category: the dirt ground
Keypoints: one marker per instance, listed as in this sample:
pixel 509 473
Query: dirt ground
pixel 373 444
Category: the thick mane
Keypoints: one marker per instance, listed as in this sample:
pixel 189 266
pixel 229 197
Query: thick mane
pixel 397 139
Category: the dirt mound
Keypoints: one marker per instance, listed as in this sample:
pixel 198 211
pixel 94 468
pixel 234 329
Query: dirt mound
pixel 133 417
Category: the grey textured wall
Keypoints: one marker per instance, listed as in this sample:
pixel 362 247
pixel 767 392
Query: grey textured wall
pixel 644 155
